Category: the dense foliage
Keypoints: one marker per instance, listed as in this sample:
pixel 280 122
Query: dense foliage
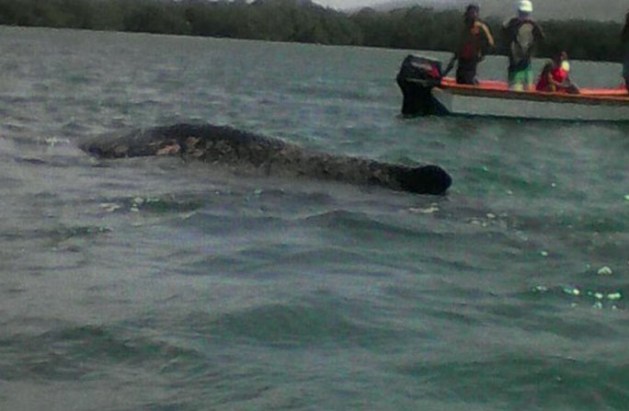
pixel 296 20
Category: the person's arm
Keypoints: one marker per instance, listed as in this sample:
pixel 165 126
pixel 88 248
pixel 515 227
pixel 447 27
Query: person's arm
pixel 490 39
pixel 450 65
pixel 455 56
pixel 568 86
pixel 554 84
pixel 507 29
pixel 538 32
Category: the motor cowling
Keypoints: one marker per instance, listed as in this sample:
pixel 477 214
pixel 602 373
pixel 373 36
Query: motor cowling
pixel 417 76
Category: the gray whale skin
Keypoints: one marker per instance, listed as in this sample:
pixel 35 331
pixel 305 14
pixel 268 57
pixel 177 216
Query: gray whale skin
pixel 227 145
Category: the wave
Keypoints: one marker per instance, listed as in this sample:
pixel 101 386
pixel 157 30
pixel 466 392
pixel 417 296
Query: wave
pixel 321 320
pixel 539 381
pixel 72 352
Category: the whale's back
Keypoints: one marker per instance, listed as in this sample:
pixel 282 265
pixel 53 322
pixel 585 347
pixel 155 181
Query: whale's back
pixel 229 146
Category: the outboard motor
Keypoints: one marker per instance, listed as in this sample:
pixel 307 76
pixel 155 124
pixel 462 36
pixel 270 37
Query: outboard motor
pixel 417 76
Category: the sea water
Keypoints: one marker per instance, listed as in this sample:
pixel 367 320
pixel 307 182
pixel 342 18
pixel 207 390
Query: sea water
pixel 159 284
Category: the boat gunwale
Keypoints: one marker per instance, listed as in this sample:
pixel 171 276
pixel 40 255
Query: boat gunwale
pixel 587 98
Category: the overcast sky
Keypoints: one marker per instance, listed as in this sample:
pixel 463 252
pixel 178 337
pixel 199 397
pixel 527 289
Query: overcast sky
pixel 348 4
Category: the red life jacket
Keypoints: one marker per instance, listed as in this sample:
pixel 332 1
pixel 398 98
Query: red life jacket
pixel 558 74
pixel 471 46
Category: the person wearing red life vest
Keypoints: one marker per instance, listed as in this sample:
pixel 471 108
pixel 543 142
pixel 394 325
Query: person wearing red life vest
pixel 475 40
pixel 555 76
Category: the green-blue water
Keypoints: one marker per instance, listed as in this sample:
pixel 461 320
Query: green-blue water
pixel 154 284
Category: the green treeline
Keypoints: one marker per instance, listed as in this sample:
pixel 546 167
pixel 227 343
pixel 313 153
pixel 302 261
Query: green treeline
pixel 415 28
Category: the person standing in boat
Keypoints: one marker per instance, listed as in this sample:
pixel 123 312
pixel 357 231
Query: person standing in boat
pixel 624 37
pixel 475 39
pixel 522 35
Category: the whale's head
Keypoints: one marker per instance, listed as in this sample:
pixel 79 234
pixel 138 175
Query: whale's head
pixel 428 179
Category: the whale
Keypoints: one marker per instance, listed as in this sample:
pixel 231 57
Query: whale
pixel 219 144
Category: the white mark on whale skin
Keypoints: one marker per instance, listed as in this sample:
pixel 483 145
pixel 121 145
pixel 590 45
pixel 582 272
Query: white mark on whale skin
pixel 169 150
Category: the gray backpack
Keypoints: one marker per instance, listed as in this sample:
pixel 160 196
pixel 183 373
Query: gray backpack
pixel 522 45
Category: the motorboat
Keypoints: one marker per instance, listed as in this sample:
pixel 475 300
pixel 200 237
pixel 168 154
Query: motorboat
pixel 427 92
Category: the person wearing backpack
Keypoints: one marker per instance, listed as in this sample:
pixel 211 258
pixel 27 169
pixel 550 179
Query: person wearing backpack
pixel 475 39
pixel 522 35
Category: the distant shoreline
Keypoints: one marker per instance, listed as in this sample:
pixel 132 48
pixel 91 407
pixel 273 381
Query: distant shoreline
pixel 301 21
pixel 558 10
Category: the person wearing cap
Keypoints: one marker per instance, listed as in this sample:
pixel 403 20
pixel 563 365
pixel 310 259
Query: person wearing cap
pixel 555 76
pixel 475 39
pixel 624 38
pixel 522 35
